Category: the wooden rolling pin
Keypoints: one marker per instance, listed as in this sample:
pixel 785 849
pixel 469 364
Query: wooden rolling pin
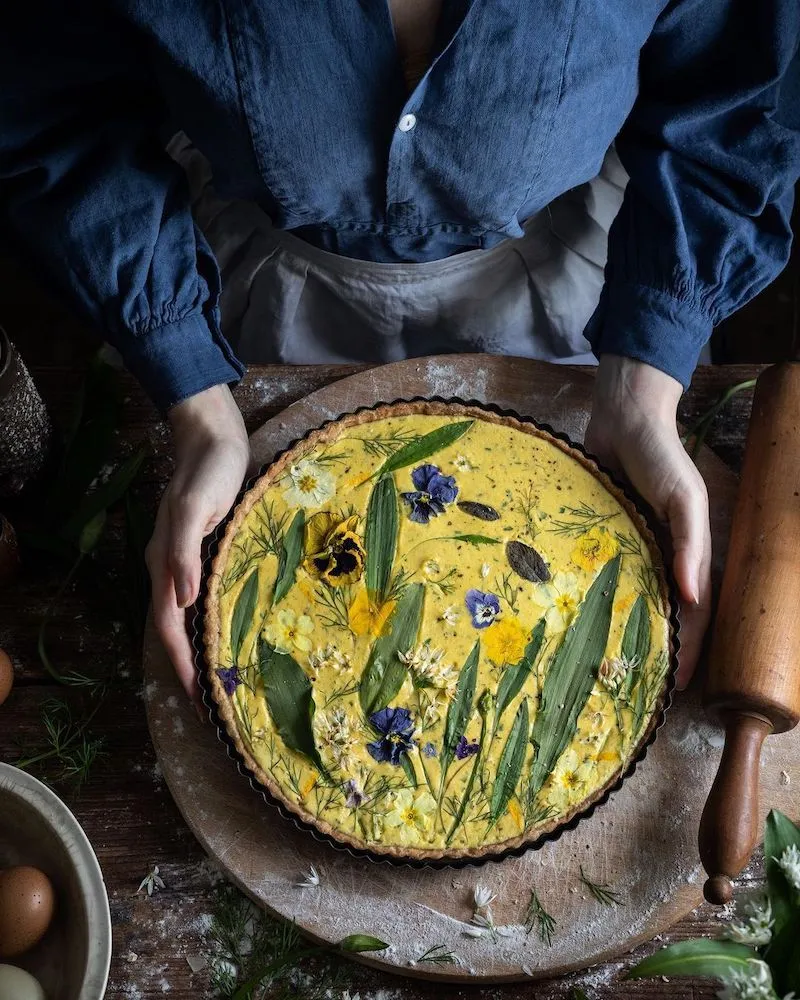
pixel 753 685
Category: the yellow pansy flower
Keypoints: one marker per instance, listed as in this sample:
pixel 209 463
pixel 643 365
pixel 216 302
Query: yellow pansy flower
pixel 505 640
pixel 367 618
pixel 290 631
pixel 337 555
pixel 594 549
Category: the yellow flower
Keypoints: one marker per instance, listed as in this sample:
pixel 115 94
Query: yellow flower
pixel 594 548
pixel 505 641
pixel 410 814
pixel 290 630
pixel 309 485
pixel 367 618
pixel 566 598
pixel 597 721
pixel 568 780
pixel 337 555
pixel 516 814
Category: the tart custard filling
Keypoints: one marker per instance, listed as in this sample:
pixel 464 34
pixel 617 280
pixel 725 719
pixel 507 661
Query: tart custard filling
pixel 437 631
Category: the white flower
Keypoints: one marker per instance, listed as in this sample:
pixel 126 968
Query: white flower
pixel 482 897
pixel 789 863
pixel 431 568
pixel 290 630
pixel 310 485
pixel 426 665
pixel 449 615
pixel 474 932
pixel 613 671
pixel 328 658
pixel 411 814
pixel 486 569
pixel 152 882
pixel 333 729
pixel 462 463
pixel 565 595
pixel 753 983
pixel 756 927
pixel 310 879
pixel 431 715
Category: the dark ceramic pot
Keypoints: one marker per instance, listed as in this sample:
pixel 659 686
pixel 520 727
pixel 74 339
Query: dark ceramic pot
pixel 25 429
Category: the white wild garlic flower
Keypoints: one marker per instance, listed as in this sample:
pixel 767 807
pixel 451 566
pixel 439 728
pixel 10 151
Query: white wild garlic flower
pixel 789 863
pixel 755 929
pixel 152 882
pixel 752 983
pixel 482 897
pixel 311 879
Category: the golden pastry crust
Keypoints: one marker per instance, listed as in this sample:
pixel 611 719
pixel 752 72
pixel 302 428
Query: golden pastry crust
pixel 211 632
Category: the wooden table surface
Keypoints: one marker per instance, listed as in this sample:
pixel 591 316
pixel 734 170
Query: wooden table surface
pixel 125 807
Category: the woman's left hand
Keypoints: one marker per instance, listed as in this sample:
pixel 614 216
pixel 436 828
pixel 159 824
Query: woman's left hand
pixel 633 429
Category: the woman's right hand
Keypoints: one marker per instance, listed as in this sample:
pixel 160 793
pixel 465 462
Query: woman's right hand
pixel 212 455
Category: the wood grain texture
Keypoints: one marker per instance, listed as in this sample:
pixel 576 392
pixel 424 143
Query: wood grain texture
pixel 627 843
pixel 126 808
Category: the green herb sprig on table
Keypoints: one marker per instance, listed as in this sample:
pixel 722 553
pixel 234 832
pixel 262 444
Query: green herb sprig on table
pixel 537 918
pixel 602 892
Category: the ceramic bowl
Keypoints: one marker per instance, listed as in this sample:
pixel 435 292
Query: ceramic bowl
pixel 36 828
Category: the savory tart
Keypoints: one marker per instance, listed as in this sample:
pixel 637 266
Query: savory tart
pixel 433 631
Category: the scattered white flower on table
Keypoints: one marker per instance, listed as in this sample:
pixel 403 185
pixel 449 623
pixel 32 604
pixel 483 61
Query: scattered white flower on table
pixel 152 882
pixel 310 485
pixel 785 779
pixel 483 897
pixel 613 671
pixel 328 658
pixel 474 932
pixel 311 879
pixel 565 597
pixel 789 863
pixel 756 927
pixel 290 630
pixel 752 983
pixel 462 463
pixel 449 615
pixel 486 569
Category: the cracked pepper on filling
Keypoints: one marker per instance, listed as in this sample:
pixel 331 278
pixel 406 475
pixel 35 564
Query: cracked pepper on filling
pixel 438 631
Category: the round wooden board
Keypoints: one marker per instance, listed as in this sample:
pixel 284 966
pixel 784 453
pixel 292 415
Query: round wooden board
pixel 642 842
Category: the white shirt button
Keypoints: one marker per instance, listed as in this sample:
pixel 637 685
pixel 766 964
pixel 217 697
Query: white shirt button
pixel 407 122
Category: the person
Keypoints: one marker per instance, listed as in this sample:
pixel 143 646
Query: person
pixel 383 179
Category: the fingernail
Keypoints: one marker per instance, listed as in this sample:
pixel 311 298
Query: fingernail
pixel 183 595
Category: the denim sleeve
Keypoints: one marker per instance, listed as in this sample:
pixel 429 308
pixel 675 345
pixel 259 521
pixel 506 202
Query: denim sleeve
pixel 87 187
pixel 712 148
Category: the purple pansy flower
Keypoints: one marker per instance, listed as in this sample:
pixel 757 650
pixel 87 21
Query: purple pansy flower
pixel 483 607
pixel 466 749
pixel 396 727
pixel 230 678
pixel 355 797
pixel 433 491
pixel 429 749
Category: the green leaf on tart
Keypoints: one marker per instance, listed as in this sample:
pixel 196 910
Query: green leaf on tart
pixel 514 677
pixel 509 767
pixel 572 673
pixel 385 672
pixel 476 539
pixel 423 447
pixel 290 701
pixel 460 709
pixel 636 641
pixel 695 958
pixel 289 558
pixel 243 612
pixel 380 538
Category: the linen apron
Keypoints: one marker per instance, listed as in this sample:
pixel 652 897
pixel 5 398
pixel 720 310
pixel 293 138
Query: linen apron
pixel 284 300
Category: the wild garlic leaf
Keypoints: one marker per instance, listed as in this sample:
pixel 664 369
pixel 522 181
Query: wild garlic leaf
pixel 289 559
pixel 636 641
pixel 476 539
pixel 460 709
pixel 424 446
pixel 385 672
pixel 509 767
pixel 695 958
pixel 243 612
pixel 290 701
pixel 362 942
pixel 380 538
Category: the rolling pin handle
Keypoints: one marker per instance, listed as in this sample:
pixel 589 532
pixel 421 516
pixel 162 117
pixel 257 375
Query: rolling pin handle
pixel 730 825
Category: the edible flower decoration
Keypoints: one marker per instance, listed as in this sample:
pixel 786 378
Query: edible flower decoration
pixel 433 491
pixel 411 813
pixel 337 555
pixel 290 631
pixel 466 749
pixel 395 728
pixel 505 643
pixel 594 549
pixel 230 679
pixel 483 607
pixel 355 795
pixel 613 671
pixel 310 485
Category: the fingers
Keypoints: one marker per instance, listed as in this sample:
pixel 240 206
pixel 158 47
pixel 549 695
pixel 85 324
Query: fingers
pixel 187 528
pixel 170 619
pixel 687 511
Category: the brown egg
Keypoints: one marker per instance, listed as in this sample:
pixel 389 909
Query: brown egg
pixel 26 908
pixel 6 675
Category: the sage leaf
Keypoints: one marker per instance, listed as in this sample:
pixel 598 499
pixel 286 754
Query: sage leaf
pixel 526 562
pixel 290 701
pixel 636 641
pixel 480 510
pixel 476 539
pixel 783 952
pixel 384 673
pixel 362 942
pixel 380 538
pixel 695 958
pixel 243 614
pixel 460 709
pixel 514 677
pixel 424 446
pixel 509 767
pixel 572 673
pixel 289 559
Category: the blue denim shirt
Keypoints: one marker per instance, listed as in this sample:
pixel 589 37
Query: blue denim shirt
pixel 298 105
